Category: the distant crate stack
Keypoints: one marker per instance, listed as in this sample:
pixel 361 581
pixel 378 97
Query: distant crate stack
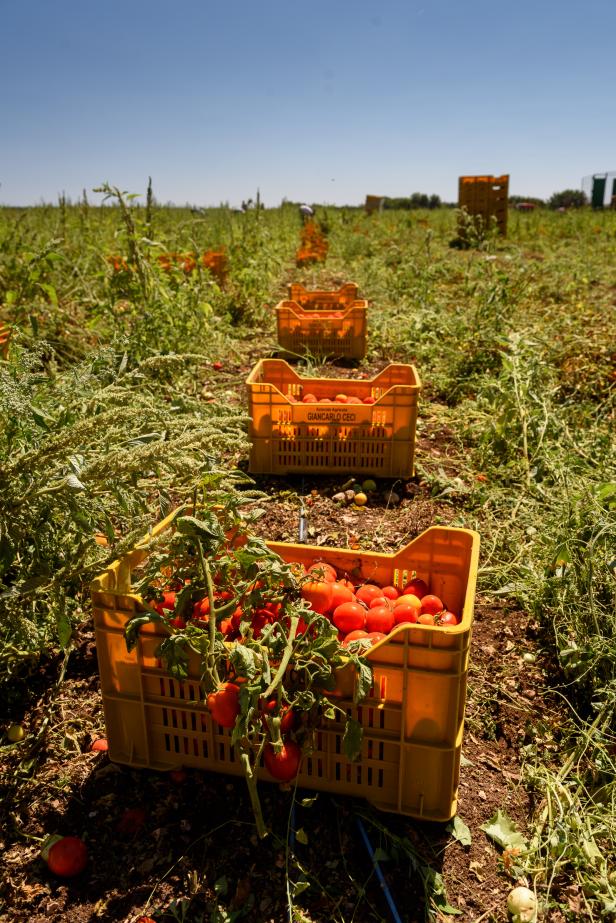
pixel 323 323
pixel 485 197
pixel 5 336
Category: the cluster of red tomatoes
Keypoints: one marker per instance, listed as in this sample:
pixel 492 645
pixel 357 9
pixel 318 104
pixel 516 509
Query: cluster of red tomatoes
pixel 263 615
pixel 310 398
pixel 282 763
pixel 368 610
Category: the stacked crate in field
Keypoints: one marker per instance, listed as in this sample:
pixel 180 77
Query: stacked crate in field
pixel 485 197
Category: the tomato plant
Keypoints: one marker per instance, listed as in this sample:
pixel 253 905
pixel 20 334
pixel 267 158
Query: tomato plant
pixel 267 651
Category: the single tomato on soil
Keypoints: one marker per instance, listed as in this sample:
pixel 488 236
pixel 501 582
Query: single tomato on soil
pixel 67 857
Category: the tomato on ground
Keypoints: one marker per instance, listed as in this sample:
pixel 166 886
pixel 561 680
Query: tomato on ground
pixel 67 857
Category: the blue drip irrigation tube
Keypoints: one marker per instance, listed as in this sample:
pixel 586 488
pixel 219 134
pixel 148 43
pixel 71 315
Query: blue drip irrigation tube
pixel 379 874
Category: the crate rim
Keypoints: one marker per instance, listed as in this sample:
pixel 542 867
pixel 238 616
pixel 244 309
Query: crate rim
pixel 415 387
pixel 121 566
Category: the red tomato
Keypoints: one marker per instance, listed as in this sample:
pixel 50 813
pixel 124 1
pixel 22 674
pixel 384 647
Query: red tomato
pixel 417 587
pixel 100 746
pixel 344 581
pixel 408 598
pixel 319 594
pixel 224 704
pixel 369 400
pixel 431 604
pixel 376 636
pixel 368 592
pixel 349 617
pixel 390 592
pixel 381 601
pixel 355 636
pixel 323 571
pixel 447 618
pixel 178 776
pixel 406 612
pixel 283 766
pixel 178 622
pixel 309 399
pixel 426 618
pixel 380 619
pixel 287 715
pixel 67 857
pixel 132 821
pixel 341 594
pixel 167 602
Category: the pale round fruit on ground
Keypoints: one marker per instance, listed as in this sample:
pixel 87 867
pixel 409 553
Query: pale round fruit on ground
pixel 15 733
pixel 360 499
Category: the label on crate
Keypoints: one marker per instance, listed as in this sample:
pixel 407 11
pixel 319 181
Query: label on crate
pixel 349 414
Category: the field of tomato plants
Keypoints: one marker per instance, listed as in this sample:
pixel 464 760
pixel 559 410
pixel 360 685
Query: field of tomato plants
pixel 131 330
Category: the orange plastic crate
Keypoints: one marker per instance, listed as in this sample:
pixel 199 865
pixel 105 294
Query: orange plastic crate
pixel 486 197
pixel 412 720
pixel 288 437
pixel 320 300
pixel 5 337
pixel 323 323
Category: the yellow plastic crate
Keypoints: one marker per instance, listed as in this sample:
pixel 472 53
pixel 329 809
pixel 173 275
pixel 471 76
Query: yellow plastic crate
pixel 324 300
pixel 322 323
pixel 5 338
pixel 288 437
pixel 412 720
pixel 486 197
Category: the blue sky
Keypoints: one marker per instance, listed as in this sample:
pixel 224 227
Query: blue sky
pixel 315 101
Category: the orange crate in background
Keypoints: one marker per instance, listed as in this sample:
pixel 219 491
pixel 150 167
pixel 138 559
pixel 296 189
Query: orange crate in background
pixel 5 337
pixel 412 720
pixel 320 300
pixel 486 197
pixel 323 323
pixel 289 436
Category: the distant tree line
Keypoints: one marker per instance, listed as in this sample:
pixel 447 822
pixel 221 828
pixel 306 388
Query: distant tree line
pixel 416 200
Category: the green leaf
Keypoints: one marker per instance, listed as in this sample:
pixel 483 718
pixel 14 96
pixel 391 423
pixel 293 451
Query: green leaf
pixel 364 680
pixel 50 292
pixel 243 661
pixel 503 831
pixel 221 886
pixel 352 739
pixel 460 831
pixel 64 629
pixel 308 802
pixel 131 629
pixel 380 855
pixel 301 836
pixel 298 887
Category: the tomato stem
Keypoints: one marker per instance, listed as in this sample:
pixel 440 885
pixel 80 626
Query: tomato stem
pixel 286 657
pixel 211 658
pixel 251 781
